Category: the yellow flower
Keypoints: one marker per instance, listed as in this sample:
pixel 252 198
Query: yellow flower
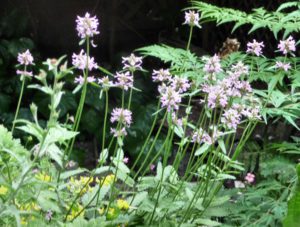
pixel 111 211
pixel 101 210
pixel 80 186
pixel 32 206
pixel 122 204
pixel 24 221
pixel 43 177
pixel 75 211
pixel 3 190
pixel 108 180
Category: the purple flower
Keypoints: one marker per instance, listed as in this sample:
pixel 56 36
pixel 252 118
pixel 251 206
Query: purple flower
pixel 244 86
pixel 161 75
pixel 124 80
pixel 253 113
pixel 118 132
pixel 82 61
pixel 240 69
pixel 87 26
pixel 105 82
pixel 24 73
pixel 231 118
pixel 176 121
pixel 216 96
pixel 80 79
pixel 255 47
pixel 152 167
pixel 180 84
pixel 250 178
pixel 212 65
pixel 48 215
pixel 200 136
pixel 169 98
pixel 192 18
pixel 283 66
pixel 123 116
pixel 126 160
pixel 288 45
pixel 132 63
pixel 25 58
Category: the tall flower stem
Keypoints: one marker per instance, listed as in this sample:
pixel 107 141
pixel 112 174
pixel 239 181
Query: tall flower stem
pixel 147 139
pixel 19 102
pixel 152 146
pixel 105 119
pixel 82 99
pixel 166 154
pixel 190 38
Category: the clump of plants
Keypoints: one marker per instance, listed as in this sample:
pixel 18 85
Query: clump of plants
pixel 206 112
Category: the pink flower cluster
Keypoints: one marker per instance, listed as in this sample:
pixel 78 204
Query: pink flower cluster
pixel 255 47
pixel 132 63
pixel 105 83
pixel 170 98
pixel 87 26
pixel 179 84
pixel 25 58
pixel 283 66
pixel 124 80
pixel 287 46
pixel 250 178
pixel 24 73
pixel 192 18
pixel 171 88
pixel 201 136
pixel 162 75
pixel 231 86
pixel 80 79
pixel 82 61
pixel 231 118
pixel 124 119
pixel 122 116
pixel 212 65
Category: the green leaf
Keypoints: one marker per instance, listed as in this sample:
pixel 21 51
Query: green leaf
pixel 207 222
pixel 293 216
pixel 202 149
pixel 71 173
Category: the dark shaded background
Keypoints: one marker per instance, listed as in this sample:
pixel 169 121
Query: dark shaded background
pixel 124 25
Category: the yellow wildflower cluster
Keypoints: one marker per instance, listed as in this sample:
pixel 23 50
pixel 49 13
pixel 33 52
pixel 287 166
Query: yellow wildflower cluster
pixel 80 185
pixel 75 211
pixel 3 190
pixel 111 213
pixel 32 206
pixel 43 177
pixel 122 204
pixel 101 211
pixel 108 180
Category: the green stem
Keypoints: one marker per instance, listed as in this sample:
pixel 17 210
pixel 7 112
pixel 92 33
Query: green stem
pixel 147 139
pixel 105 119
pixel 19 102
pixel 82 99
pixel 190 38
pixel 152 146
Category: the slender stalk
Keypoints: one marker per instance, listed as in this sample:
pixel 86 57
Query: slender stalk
pixel 190 38
pixel 169 144
pixel 147 139
pixel 82 99
pixel 19 102
pixel 105 119
pixel 152 146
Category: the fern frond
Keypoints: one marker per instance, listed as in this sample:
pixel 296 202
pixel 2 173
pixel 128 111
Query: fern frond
pixel 259 18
